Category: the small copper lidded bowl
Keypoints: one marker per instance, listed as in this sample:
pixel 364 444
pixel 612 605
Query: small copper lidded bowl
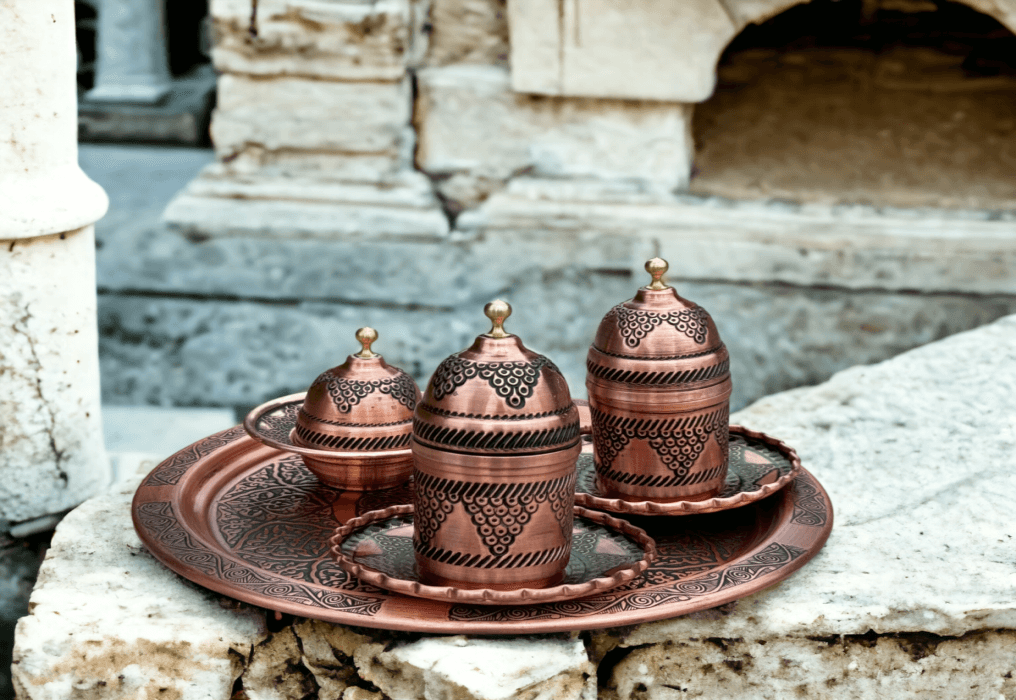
pixel 495 440
pixel 659 386
pixel 353 425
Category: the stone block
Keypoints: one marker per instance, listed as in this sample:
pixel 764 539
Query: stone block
pixel 254 160
pixel 468 31
pixel 357 117
pixel 483 669
pixel 277 218
pixel 759 242
pixel 51 451
pixel 330 40
pixel 182 117
pixel 470 122
pixel 109 621
pixel 650 50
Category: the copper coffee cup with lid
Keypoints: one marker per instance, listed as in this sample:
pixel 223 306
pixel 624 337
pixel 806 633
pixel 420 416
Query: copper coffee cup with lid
pixel 495 440
pixel 356 421
pixel 659 394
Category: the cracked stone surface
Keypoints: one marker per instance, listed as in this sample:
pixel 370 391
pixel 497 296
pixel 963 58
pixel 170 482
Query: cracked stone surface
pixel 912 595
pixel 51 452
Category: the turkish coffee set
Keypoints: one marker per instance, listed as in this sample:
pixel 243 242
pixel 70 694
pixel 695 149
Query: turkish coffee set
pixel 493 502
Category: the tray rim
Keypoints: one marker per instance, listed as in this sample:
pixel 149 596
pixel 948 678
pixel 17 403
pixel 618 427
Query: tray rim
pixel 709 505
pixel 235 440
pixel 488 596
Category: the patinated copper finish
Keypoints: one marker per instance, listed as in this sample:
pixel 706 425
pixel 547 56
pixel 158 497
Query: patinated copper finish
pixel 353 425
pixel 377 548
pixel 248 521
pixel 659 394
pixel 759 466
pixel 495 440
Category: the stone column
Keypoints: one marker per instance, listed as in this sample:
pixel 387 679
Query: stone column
pixel 51 449
pixel 131 60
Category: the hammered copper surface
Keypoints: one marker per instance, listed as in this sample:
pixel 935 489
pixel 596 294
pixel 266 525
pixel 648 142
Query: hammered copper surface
pixel 353 425
pixel 759 466
pixel 495 439
pixel 659 386
pixel 606 552
pixel 248 521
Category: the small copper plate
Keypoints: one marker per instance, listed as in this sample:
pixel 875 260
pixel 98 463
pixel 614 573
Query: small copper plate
pixel 606 552
pixel 251 522
pixel 759 466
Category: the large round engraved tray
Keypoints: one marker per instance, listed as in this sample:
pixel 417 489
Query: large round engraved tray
pixel 253 523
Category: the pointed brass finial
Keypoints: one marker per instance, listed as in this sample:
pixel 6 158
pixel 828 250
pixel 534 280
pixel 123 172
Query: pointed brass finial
pixel 366 336
pixel 657 267
pixel 497 311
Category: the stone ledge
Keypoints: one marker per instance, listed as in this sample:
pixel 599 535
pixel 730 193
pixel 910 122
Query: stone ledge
pixel 853 247
pixel 912 594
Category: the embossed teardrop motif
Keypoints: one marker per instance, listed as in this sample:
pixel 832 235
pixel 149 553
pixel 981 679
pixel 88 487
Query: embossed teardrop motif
pixel 678 441
pixel 347 393
pixel 635 324
pixel 512 381
pixel 499 512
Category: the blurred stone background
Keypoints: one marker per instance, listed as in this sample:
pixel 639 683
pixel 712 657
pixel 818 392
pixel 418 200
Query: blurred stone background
pixel 832 180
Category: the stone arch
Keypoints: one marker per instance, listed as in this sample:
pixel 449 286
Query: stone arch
pixel 903 107
pixel 653 49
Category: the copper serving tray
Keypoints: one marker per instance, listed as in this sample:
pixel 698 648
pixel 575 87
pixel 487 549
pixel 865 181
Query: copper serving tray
pixel 253 523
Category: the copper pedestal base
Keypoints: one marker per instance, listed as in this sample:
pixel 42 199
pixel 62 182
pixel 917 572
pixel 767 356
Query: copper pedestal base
pixel 252 522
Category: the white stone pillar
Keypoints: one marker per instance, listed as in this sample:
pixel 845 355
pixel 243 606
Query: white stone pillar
pixel 51 450
pixel 131 60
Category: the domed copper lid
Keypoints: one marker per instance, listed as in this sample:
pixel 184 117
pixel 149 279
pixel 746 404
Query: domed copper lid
pixel 497 396
pixel 657 323
pixel 364 404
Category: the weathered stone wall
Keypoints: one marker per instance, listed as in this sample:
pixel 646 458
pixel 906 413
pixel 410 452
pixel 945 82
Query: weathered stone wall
pixel 376 166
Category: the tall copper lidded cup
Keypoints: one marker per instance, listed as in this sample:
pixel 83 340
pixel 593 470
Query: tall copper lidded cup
pixel 659 394
pixel 495 440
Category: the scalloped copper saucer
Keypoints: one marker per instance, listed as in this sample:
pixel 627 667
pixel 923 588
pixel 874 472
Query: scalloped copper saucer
pixel 760 465
pixel 273 422
pixel 607 552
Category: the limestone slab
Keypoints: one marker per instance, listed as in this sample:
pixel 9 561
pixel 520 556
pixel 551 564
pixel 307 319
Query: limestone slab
pixel 357 117
pixel 330 40
pixel 853 247
pixel 51 451
pixel 653 50
pixel 470 121
pixel 468 31
pixel 109 621
pixel 977 667
pixel 483 669
pixel 282 218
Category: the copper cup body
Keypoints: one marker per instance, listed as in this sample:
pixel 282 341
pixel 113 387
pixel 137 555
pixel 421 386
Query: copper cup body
pixel 493 521
pixel 351 471
pixel 660 427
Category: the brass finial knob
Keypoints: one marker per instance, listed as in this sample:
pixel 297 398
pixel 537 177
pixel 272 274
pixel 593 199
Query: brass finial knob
pixel 366 336
pixel 497 311
pixel 657 267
